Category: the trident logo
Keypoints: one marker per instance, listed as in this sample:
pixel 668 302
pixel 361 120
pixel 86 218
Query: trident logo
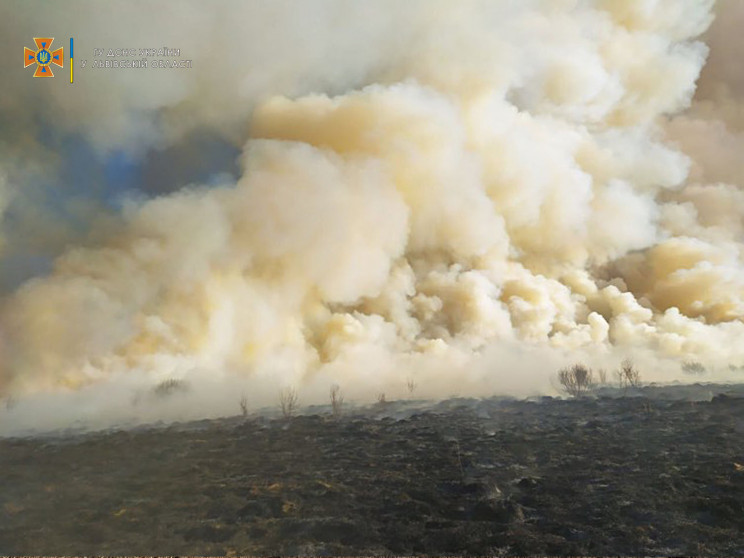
pixel 44 57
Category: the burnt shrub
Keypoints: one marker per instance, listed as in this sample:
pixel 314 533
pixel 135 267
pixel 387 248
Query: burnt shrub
pixel 576 380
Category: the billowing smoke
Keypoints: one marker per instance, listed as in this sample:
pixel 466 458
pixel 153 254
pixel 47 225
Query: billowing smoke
pixel 464 193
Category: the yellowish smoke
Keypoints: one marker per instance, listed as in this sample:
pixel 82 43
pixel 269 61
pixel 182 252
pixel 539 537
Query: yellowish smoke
pixel 516 187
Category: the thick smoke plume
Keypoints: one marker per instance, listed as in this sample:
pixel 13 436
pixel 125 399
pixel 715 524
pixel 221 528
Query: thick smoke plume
pixel 465 193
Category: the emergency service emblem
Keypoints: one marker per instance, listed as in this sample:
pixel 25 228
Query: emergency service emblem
pixel 43 57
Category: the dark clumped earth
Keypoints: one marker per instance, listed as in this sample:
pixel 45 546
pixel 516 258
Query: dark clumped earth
pixel 652 471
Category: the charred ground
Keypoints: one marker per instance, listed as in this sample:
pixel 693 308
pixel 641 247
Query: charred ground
pixel 656 473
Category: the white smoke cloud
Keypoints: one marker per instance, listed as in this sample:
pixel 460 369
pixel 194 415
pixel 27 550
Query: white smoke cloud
pixel 468 193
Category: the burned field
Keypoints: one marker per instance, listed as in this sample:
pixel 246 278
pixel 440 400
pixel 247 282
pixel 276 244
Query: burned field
pixel 659 472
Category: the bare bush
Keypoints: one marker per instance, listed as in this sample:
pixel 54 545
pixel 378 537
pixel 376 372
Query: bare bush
pixel 337 401
pixel 244 406
pixel 170 387
pixel 288 402
pixel 602 373
pixel 411 385
pixel 576 380
pixel 693 368
pixel 628 375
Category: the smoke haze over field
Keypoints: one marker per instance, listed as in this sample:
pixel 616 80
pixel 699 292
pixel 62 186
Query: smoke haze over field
pixel 469 194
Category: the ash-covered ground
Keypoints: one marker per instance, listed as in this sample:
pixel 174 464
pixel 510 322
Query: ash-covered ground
pixel 655 471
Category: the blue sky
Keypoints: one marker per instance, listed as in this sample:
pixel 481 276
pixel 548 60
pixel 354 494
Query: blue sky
pixel 83 181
